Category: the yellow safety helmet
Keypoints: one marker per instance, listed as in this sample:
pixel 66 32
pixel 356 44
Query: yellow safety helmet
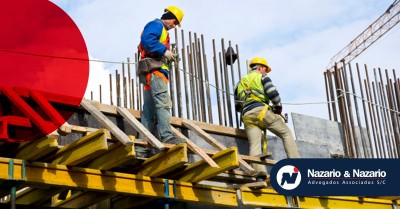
pixel 260 61
pixel 177 12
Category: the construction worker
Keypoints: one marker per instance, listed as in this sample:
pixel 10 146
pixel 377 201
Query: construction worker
pixel 253 95
pixel 154 43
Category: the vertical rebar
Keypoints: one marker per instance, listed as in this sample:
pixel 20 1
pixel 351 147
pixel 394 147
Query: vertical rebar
pixel 381 136
pixel 132 87
pixel 233 84
pixel 385 116
pixel 210 115
pixel 192 84
pixel 217 83
pixel 100 94
pixel 193 66
pixel 238 61
pixel 347 149
pixel 139 88
pixel 228 96
pixel 353 134
pixel 373 116
pixel 111 92
pixel 178 76
pixel 200 78
pixel 222 90
pixel 124 95
pixel 364 109
pixel 185 76
pixel 393 118
pixel 332 93
pixel 366 154
pixel 129 83
pixel 117 82
pixel 171 87
pixel 327 94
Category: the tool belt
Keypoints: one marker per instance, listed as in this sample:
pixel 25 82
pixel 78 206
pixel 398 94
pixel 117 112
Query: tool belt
pixel 146 65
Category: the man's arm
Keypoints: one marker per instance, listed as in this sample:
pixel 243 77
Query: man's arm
pixel 150 38
pixel 271 91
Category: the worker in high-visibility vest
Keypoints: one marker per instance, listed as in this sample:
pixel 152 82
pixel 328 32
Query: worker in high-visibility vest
pixel 253 95
pixel 154 43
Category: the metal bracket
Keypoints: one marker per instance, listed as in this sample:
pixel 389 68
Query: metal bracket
pixel 292 201
pixel 395 204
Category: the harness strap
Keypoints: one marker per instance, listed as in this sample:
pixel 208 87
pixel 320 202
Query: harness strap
pixel 157 73
pixel 248 121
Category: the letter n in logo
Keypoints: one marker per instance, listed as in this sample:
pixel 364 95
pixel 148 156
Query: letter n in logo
pixel 288 177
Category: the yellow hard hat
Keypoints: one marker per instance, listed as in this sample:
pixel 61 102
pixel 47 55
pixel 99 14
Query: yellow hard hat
pixel 177 12
pixel 260 61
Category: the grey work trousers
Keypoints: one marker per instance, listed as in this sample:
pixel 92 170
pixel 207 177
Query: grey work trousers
pixel 273 123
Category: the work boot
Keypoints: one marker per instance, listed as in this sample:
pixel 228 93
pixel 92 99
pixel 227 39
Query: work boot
pixel 174 140
pixel 152 151
pixel 141 152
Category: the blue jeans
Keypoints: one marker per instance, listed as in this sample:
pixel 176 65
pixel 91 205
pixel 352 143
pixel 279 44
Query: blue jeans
pixel 157 105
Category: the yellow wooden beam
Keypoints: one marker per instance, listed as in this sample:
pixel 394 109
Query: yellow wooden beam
pixel 269 198
pixel 83 149
pixel 226 159
pixel 165 161
pixel 36 149
pixel 204 194
pixel 50 175
pixel 116 154
pixel 344 202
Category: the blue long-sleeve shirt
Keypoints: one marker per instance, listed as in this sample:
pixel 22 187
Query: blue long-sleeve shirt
pixel 150 38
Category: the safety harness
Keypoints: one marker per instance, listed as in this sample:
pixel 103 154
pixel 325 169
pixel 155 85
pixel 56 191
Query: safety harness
pixel 248 120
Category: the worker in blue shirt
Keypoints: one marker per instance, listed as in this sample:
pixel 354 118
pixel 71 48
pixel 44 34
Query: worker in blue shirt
pixel 154 43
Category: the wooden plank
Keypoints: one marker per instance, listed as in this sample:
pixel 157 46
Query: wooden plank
pixel 195 149
pixel 140 128
pixel 175 121
pixel 120 135
pixel 36 149
pixel 227 159
pixel 207 137
pixel 247 158
pixel 165 162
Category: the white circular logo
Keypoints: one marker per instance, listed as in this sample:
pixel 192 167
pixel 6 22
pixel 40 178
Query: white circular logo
pixel 288 177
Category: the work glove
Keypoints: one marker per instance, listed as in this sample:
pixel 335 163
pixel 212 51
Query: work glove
pixel 277 109
pixel 169 55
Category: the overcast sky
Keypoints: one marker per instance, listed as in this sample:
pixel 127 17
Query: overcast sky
pixel 298 38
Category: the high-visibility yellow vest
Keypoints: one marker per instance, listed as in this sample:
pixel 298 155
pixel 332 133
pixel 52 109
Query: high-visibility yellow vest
pixel 251 89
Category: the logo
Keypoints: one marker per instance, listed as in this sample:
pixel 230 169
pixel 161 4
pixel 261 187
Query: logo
pixel 288 177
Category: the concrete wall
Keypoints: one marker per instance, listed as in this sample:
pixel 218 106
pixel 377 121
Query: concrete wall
pixel 326 135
